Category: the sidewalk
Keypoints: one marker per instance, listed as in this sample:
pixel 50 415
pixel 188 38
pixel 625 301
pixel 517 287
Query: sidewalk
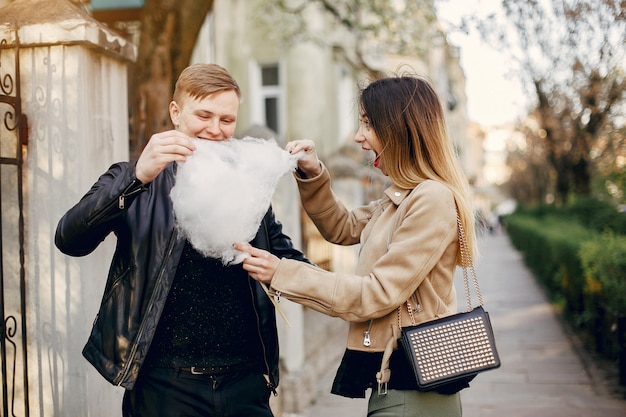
pixel 541 373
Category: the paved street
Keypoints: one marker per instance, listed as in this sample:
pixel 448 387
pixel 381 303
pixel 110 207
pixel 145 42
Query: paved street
pixel 542 375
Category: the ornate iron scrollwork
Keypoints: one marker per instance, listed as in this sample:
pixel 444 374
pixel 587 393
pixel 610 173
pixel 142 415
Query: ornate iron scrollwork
pixel 13 326
pixel 7 88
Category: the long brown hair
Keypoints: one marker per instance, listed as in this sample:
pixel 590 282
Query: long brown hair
pixel 408 119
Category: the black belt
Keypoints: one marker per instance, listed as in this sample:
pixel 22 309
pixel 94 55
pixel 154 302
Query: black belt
pixel 213 370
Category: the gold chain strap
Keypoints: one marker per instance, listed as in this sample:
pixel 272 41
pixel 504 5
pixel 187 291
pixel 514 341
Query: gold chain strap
pixel 466 263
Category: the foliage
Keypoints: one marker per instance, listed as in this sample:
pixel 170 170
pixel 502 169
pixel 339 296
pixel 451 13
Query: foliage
pixel 595 214
pixel 550 246
pixel 610 179
pixel 570 55
pixel 530 179
pixel 601 216
pixel 604 265
pixel 357 30
pixel 582 269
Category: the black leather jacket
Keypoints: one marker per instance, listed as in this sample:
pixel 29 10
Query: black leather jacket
pixel 143 267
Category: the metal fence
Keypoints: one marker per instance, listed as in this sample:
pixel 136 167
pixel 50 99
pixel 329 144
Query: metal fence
pixel 13 139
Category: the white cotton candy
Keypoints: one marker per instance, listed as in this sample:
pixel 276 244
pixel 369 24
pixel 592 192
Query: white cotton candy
pixel 223 191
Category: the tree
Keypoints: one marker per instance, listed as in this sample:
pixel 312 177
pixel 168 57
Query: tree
pixel 530 180
pixel 570 54
pixel 169 29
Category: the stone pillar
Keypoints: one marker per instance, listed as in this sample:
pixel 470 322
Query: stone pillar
pixel 73 79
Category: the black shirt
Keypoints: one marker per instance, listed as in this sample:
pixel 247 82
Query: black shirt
pixel 208 319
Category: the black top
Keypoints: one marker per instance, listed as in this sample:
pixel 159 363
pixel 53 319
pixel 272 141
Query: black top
pixel 357 373
pixel 208 319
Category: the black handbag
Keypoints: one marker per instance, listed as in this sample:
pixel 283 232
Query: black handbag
pixel 455 347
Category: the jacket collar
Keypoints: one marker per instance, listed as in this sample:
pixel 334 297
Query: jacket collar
pixel 396 194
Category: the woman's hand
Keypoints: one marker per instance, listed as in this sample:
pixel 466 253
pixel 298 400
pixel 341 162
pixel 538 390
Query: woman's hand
pixel 260 265
pixel 309 164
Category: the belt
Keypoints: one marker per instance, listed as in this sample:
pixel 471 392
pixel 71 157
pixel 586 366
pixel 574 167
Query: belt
pixel 213 370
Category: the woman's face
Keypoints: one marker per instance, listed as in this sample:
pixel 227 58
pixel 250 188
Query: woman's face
pixel 366 137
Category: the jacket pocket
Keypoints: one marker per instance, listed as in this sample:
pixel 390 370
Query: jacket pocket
pixel 113 327
pixel 117 281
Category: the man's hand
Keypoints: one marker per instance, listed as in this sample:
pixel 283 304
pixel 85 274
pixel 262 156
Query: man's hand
pixel 162 148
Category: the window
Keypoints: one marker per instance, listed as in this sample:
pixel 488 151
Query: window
pixel 268 107
pixel 270 91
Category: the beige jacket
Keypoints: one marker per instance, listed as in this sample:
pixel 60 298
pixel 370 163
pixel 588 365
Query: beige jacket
pixel 408 246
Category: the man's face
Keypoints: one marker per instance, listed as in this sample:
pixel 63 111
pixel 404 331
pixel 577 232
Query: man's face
pixel 211 118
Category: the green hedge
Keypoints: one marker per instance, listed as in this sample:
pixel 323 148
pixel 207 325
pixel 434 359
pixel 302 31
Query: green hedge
pixel 582 269
pixel 604 266
pixel 598 215
pixel 550 246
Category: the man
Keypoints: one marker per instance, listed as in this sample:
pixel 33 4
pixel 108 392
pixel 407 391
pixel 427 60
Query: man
pixel 184 334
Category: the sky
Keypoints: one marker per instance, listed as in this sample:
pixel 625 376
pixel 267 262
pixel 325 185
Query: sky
pixel 493 97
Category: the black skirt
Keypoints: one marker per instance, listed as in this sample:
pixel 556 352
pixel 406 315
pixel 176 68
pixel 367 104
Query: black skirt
pixel 357 372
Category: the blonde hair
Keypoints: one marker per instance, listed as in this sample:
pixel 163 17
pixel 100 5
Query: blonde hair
pixel 199 81
pixel 408 119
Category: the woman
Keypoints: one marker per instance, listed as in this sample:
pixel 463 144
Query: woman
pixel 409 246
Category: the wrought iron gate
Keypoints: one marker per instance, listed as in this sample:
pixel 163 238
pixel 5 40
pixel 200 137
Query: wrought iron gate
pixel 13 141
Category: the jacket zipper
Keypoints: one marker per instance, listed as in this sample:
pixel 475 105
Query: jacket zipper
pixel 367 341
pixel 268 382
pixel 418 306
pixel 292 297
pixel 366 334
pixel 120 201
pixel 133 350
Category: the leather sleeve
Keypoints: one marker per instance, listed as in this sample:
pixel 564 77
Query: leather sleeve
pixel 281 245
pixel 83 227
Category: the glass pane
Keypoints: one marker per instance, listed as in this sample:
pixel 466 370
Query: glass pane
pixel 271 113
pixel 269 75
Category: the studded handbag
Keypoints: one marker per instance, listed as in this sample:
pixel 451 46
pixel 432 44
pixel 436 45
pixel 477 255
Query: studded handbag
pixel 455 347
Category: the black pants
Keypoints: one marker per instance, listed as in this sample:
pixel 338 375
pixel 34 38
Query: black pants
pixel 176 393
